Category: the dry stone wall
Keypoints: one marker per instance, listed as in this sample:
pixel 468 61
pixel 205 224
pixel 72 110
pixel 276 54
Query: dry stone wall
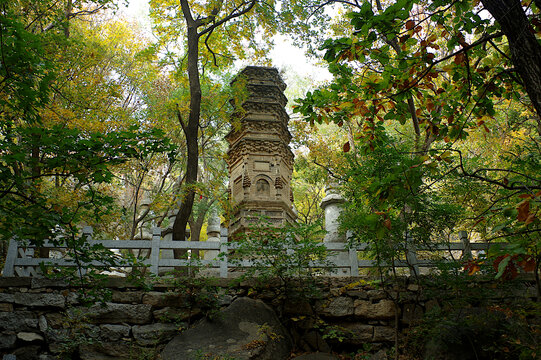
pixel 44 319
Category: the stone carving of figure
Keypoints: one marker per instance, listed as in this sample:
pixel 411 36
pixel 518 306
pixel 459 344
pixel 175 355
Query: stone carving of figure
pixel 262 188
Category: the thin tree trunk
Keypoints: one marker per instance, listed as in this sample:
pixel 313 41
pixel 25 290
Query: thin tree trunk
pixel 69 7
pixel 195 231
pixel 36 173
pixel 191 129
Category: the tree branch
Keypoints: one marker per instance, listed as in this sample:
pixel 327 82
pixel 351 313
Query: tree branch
pixel 180 121
pixel 232 15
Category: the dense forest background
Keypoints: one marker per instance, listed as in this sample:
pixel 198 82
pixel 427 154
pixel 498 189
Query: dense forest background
pixel 430 125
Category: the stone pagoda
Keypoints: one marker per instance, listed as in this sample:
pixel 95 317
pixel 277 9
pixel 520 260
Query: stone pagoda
pixel 260 161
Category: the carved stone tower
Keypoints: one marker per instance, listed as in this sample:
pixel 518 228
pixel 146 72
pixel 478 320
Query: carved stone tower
pixel 259 159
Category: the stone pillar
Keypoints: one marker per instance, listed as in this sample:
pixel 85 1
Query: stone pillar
pixel 168 253
pixel 332 205
pixel 213 233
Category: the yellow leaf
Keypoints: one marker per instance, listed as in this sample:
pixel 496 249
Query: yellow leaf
pixel 345 105
pixel 448 68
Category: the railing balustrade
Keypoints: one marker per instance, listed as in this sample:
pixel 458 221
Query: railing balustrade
pixel 21 261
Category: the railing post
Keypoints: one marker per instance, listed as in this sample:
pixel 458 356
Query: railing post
pixel 353 259
pixel 155 250
pixel 223 253
pixel 411 257
pixel 9 265
pixel 213 235
pixel 88 233
pixel 466 246
pixel 353 262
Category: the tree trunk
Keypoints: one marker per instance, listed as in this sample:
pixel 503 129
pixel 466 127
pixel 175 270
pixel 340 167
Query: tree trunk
pixel 69 8
pixel 525 49
pixel 36 173
pixel 195 231
pixel 190 129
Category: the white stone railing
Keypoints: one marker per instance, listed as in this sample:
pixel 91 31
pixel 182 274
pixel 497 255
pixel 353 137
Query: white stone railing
pixel 345 261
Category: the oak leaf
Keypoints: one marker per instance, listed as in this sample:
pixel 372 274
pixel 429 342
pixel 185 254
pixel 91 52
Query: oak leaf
pixel 523 210
pixel 410 24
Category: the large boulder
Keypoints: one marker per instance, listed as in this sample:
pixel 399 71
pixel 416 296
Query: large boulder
pixel 114 351
pixel 247 329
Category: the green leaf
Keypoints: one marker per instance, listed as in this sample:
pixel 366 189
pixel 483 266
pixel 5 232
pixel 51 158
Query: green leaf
pixel 502 266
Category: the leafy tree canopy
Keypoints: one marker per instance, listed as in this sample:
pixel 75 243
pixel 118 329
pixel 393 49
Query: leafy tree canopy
pixel 442 102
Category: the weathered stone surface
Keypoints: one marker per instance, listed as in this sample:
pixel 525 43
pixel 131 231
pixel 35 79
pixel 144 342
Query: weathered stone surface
pixel 27 353
pixel 383 334
pixel 173 314
pixel 14 281
pixel 225 300
pixel 7 340
pixel 316 342
pixel 260 161
pixel 247 329
pixel 332 206
pixel 154 333
pixel 413 287
pixel 92 331
pixel 375 295
pixel 111 332
pixel 39 282
pixel 42 323
pixel 54 320
pixel 354 333
pixel 338 307
pixel 56 335
pixel 29 336
pixel 7 298
pixel 47 357
pixel 18 321
pixel 6 307
pixel 266 295
pixel 383 309
pixel 159 299
pixel 34 299
pixel 359 294
pixel 113 313
pixel 114 351
pixel 42 300
pixel 317 356
pixel 127 297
